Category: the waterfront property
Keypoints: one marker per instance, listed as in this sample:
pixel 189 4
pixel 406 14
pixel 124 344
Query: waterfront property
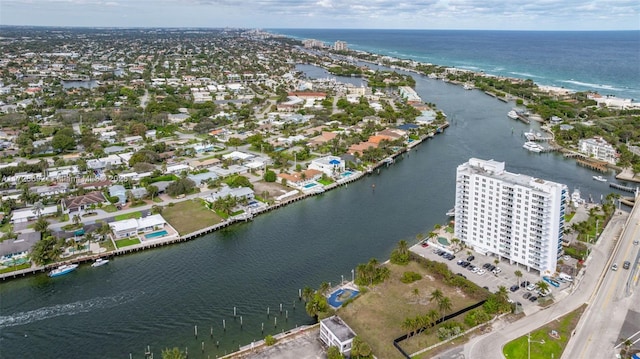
pixel 512 216
pixel 131 227
pixel 335 332
pixel 329 165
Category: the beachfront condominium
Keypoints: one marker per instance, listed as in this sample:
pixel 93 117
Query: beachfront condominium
pixel 512 216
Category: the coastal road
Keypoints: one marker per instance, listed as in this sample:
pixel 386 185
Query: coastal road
pixel 490 345
pixel 602 326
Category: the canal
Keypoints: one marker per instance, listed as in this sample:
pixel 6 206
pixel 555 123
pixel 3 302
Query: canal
pixel 156 298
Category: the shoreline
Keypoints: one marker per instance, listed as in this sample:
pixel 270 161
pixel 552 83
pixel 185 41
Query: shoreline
pixel 213 228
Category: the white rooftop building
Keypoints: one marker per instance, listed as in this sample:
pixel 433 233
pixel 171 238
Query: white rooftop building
pixel 334 332
pixel 597 147
pixel 330 165
pixel 512 216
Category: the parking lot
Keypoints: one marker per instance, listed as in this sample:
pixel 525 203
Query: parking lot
pixel 486 278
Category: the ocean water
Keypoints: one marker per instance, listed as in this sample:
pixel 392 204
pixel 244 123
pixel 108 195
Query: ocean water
pixel 607 62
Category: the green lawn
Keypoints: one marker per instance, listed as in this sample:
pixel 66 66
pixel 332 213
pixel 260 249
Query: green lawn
pixel 123 216
pixel 109 208
pixel 189 216
pixel 568 217
pixel 325 182
pixel 15 268
pixel 127 242
pixel 551 347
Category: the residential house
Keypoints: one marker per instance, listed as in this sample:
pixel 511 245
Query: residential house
pixel 597 147
pixel 31 214
pixel 80 203
pixel 335 332
pixel 14 249
pixel 131 227
pixel 329 165
pixel 241 193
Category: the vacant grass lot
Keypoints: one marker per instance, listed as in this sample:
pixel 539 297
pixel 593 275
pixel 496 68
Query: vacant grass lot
pixel 377 315
pixel 189 216
pixel 552 348
pixel 124 216
pixel 121 243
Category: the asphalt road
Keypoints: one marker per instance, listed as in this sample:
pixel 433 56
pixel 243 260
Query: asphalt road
pixel 600 330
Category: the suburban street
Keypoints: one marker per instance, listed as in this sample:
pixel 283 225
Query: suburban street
pixel 614 314
pixel 598 263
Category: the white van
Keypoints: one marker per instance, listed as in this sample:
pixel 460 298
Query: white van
pixel 565 277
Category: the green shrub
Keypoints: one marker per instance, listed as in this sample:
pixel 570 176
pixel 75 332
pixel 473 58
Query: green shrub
pixel 410 277
pixel 269 340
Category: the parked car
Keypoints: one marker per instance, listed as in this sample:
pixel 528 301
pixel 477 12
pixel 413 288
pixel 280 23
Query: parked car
pixel 525 284
pixel 526 295
pixel 626 265
pixel 470 258
pixel 486 265
pixel 496 271
pixel 481 272
pixel 531 287
pixel 514 288
pixel 533 298
pixel 635 243
pixel 425 244
pixel 462 275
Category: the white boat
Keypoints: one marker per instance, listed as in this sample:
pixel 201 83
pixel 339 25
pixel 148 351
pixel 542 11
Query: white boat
pixel 63 269
pixel 600 178
pixel 530 136
pixel 512 115
pixel 533 147
pixel 575 197
pixel 467 87
pixel 451 212
pixel 99 262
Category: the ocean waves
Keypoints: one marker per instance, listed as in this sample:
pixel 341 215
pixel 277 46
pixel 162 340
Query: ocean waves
pixel 85 306
pixel 591 85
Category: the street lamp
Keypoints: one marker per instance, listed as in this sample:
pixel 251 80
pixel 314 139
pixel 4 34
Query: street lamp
pixel 529 341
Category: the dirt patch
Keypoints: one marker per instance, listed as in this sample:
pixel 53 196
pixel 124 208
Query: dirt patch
pixel 269 190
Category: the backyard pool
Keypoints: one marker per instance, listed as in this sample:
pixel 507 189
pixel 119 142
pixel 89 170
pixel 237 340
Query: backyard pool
pixel 161 233
pixel 309 185
pixel 346 174
pixel 341 295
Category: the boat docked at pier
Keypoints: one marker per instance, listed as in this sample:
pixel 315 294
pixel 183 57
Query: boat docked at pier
pixel 451 212
pixel 599 178
pixel 513 115
pixel 533 147
pixel 99 262
pixel 62 270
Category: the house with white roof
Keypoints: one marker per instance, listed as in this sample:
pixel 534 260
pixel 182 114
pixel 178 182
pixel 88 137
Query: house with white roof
pixel 133 226
pixel 329 165
pixel 597 147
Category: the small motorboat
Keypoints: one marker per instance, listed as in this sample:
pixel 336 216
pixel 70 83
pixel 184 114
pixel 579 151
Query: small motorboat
pixel 600 178
pixel 99 262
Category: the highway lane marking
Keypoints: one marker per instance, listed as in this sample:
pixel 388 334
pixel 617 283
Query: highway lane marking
pixel 586 346
pixel 615 276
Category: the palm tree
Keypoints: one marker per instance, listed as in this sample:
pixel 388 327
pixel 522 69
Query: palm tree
pixel 432 316
pixel 436 296
pixel 518 274
pixel 444 305
pixel 543 286
pixel 41 225
pixel 76 219
pixel 408 324
pixel 403 247
pixel 324 288
pixel 307 293
pixel 502 293
pixel 38 207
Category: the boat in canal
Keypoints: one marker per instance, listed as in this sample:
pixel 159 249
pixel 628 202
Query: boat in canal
pixel 532 146
pixel 599 178
pixel 451 212
pixel 99 262
pixel 62 270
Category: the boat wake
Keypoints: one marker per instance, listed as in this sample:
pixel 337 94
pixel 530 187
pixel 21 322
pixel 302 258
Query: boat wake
pixel 74 308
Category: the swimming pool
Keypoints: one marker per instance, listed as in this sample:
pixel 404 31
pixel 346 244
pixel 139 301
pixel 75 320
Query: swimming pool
pixel 309 185
pixel 341 295
pixel 346 174
pixel 161 233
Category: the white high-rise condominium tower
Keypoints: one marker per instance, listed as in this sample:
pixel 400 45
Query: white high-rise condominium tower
pixel 513 216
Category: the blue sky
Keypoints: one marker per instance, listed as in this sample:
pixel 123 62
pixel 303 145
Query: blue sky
pixel 378 14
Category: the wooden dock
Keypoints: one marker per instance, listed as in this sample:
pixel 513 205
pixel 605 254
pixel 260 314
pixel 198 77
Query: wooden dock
pixel 623 188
